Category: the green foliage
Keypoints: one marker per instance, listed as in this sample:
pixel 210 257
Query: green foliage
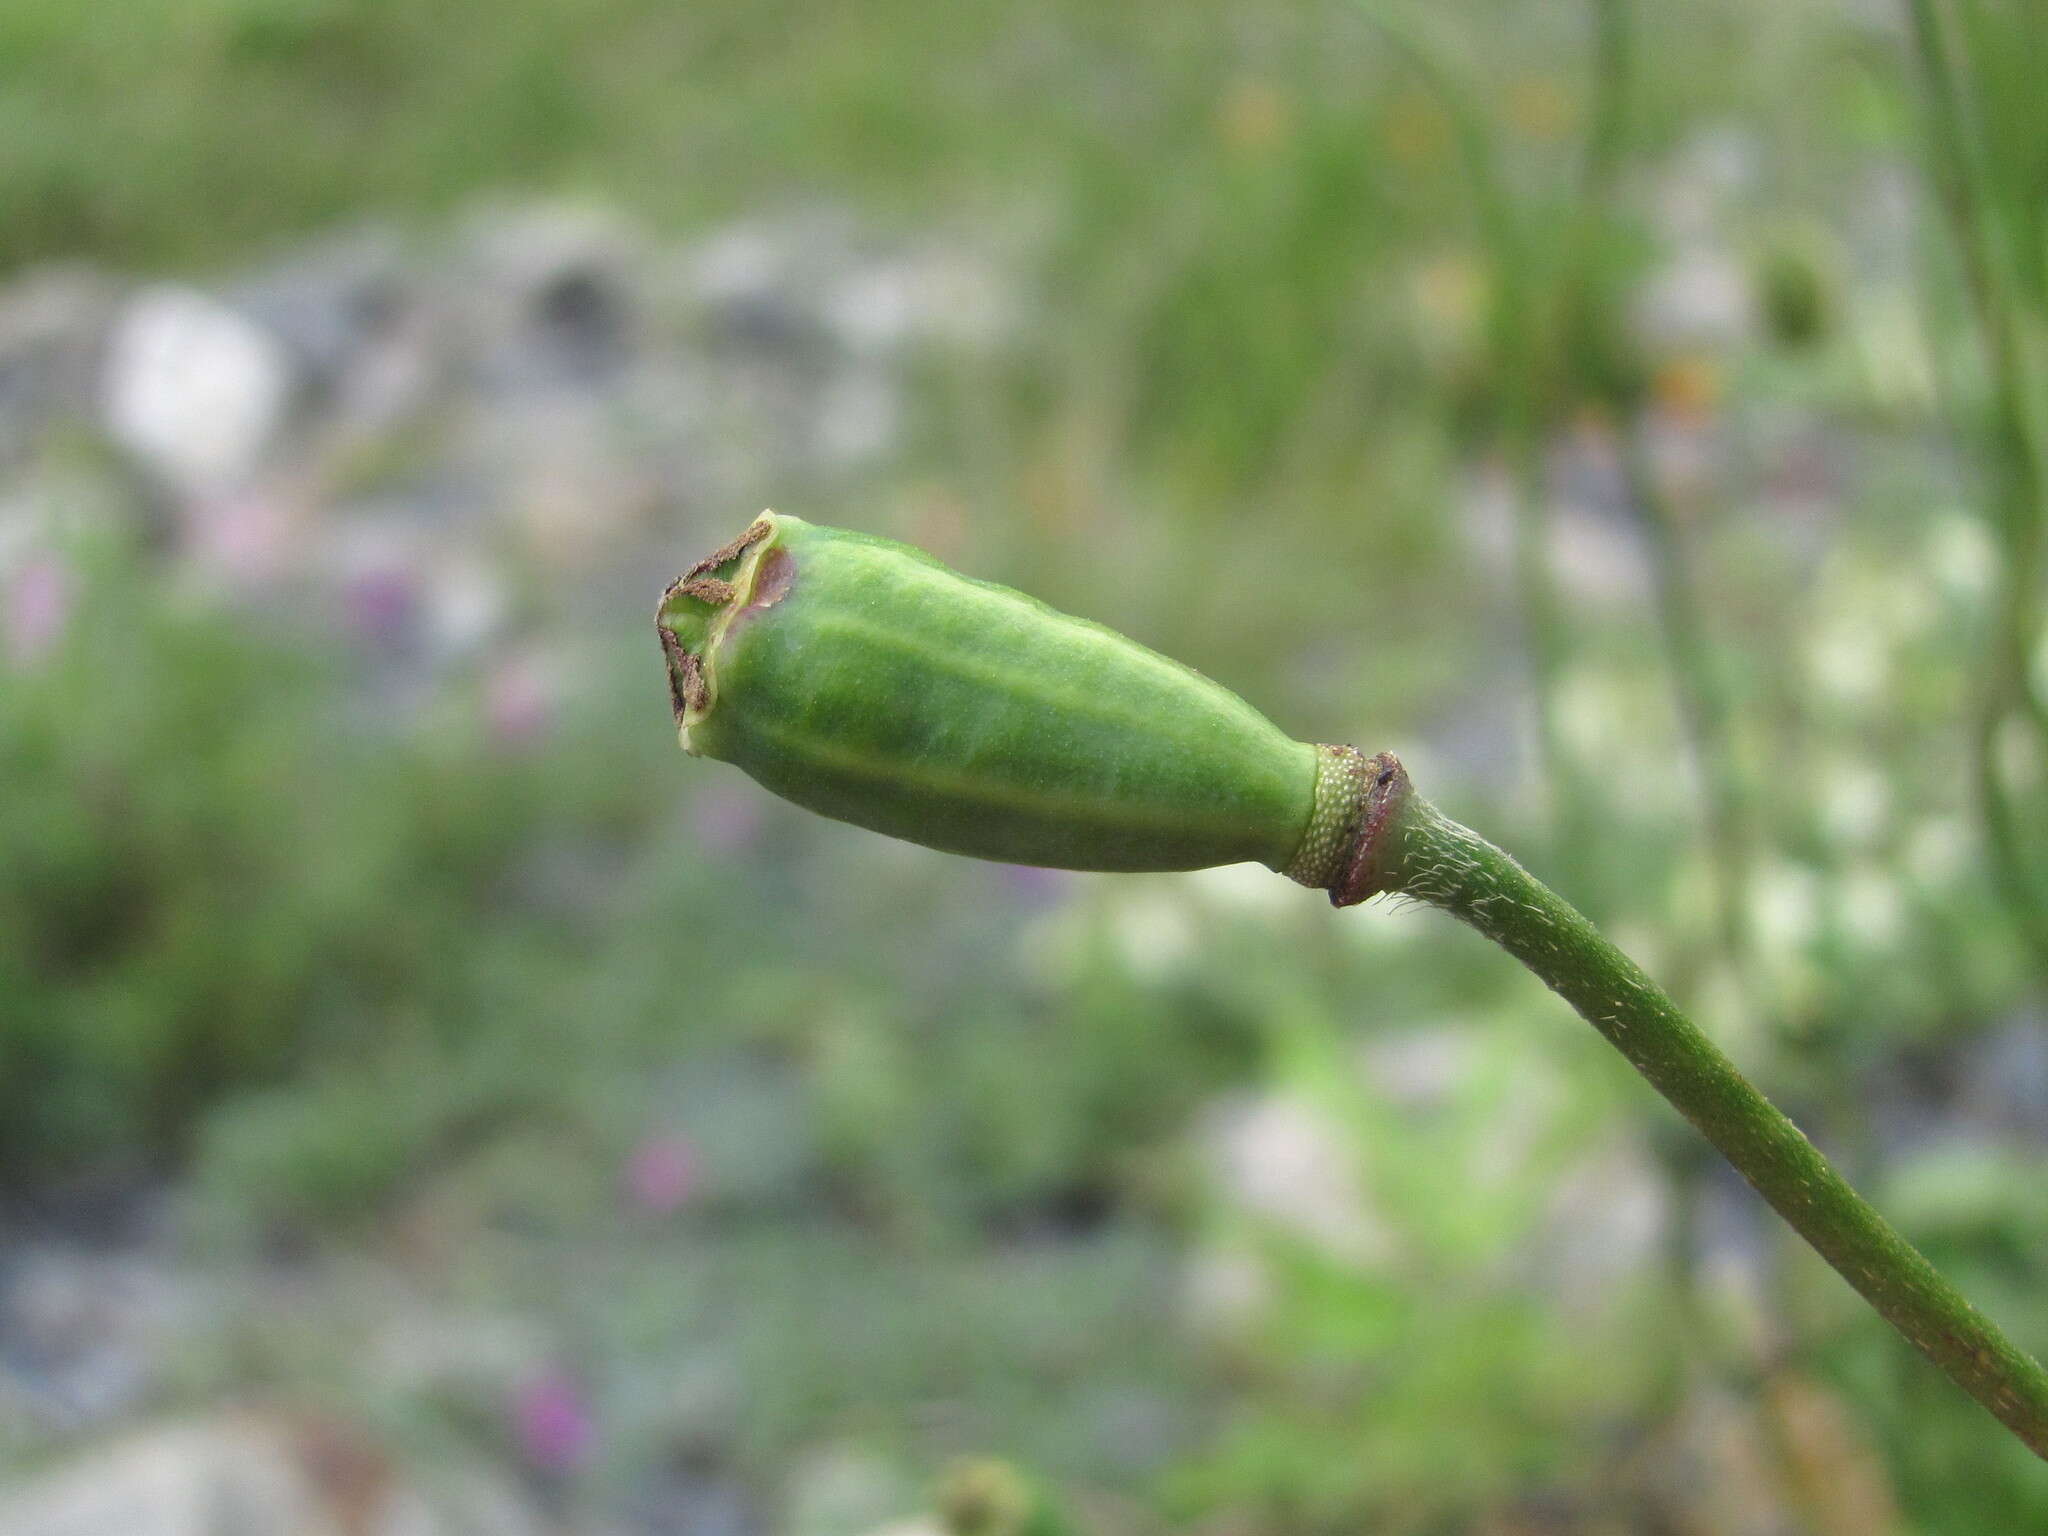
pixel 180 863
pixel 216 867
pixel 1371 1402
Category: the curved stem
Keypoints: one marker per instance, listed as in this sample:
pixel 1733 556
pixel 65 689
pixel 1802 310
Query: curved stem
pixel 1423 854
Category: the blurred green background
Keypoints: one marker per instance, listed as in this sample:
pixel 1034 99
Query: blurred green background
pixel 427 1096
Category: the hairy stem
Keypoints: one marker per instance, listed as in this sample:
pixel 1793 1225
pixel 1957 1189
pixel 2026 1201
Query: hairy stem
pixel 1425 855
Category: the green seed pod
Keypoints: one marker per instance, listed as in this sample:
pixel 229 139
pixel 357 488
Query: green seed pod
pixel 863 680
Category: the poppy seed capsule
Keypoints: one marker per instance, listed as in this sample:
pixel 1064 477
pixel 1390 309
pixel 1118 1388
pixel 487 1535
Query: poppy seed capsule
pixel 863 680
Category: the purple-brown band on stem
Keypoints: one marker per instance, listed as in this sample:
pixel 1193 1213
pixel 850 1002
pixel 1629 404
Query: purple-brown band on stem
pixel 1356 801
pixel 1386 791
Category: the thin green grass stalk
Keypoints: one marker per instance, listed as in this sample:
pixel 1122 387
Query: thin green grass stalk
pixel 1518 350
pixel 1963 177
pixel 1613 79
pixel 1697 691
pixel 1700 698
pixel 1699 704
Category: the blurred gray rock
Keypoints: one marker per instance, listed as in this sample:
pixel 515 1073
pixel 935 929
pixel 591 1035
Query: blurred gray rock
pixel 844 1491
pixel 1286 1161
pixel 83 1332
pixel 1604 1226
pixel 332 300
pixel 2003 1087
pixel 689 1501
pixel 549 388
pixel 550 295
pixel 244 1475
pixel 53 326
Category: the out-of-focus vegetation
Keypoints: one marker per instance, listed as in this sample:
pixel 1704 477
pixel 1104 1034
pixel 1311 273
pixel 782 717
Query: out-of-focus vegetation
pixel 1594 403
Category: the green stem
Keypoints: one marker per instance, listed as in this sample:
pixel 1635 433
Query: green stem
pixel 2019 424
pixel 1697 692
pixel 2003 835
pixel 1541 613
pixel 1517 351
pixel 1613 76
pixel 1701 701
pixel 1967 188
pixel 1425 855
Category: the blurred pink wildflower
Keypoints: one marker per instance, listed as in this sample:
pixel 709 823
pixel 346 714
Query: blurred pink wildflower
pixel 660 1175
pixel 1034 887
pixel 382 603
pixel 552 1422
pixel 248 537
pixel 727 819
pixel 519 700
pixel 38 602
